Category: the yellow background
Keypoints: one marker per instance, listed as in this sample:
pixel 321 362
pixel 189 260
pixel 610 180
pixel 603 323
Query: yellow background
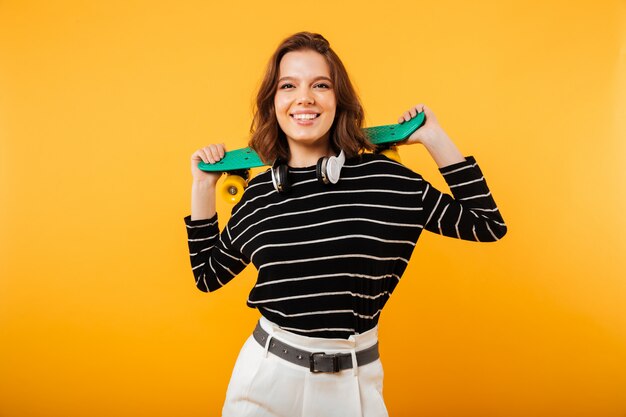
pixel 102 104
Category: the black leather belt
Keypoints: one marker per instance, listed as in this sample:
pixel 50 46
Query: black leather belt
pixel 315 361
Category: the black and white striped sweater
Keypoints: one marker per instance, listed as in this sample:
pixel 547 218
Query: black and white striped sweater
pixel 329 257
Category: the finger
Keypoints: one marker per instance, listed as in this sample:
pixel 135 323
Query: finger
pixel 407 116
pixel 215 152
pixel 208 155
pixel 413 112
pixel 222 149
pixel 199 155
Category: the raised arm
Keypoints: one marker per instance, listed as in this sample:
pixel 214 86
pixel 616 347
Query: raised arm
pixel 203 186
pixel 471 213
pixel 214 260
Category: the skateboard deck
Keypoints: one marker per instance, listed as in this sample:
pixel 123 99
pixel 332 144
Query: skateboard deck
pixel 385 135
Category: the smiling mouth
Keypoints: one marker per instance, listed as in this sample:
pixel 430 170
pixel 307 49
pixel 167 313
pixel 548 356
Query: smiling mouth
pixel 305 116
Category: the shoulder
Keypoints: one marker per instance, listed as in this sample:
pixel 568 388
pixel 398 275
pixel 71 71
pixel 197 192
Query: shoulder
pixel 371 163
pixel 262 178
pixel 377 172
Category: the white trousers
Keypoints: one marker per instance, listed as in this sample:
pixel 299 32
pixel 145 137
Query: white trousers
pixel 264 385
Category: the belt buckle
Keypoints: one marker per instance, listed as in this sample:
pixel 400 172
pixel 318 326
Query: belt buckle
pixel 312 362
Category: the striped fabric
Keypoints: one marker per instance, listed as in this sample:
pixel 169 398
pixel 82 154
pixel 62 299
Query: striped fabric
pixel 329 257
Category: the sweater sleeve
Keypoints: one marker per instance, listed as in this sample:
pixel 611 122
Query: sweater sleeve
pixel 214 260
pixel 470 213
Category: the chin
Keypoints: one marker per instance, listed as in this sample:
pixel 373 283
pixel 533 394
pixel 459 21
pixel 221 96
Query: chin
pixel 309 139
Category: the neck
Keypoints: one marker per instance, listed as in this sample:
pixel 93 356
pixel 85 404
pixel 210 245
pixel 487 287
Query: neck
pixel 305 156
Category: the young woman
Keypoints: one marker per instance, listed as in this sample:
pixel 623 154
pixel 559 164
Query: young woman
pixel 330 229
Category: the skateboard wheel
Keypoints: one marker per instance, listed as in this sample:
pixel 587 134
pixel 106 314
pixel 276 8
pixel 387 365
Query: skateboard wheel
pixel 393 154
pixel 232 188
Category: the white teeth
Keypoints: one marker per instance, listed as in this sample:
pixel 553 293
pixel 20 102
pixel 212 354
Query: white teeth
pixel 304 116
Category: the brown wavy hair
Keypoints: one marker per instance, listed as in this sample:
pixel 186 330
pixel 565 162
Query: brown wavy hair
pixel 346 133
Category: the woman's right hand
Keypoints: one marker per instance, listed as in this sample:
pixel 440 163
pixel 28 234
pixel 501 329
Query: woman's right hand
pixel 209 154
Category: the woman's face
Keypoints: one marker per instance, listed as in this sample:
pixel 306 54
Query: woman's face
pixel 305 98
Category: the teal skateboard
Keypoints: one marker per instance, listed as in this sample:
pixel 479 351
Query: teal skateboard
pixel 238 162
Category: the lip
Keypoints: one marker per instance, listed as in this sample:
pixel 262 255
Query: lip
pixel 304 112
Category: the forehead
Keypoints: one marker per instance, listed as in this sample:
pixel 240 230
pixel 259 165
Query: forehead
pixel 303 64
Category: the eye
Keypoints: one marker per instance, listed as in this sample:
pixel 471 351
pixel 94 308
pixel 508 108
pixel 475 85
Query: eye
pixel 322 85
pixel 285 86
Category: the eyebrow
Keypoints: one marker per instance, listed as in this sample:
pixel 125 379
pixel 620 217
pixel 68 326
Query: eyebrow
pixel 319 77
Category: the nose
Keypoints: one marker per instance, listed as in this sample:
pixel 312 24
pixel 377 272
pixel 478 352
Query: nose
pixel 305 99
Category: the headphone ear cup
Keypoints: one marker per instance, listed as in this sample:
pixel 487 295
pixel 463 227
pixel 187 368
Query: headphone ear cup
pixel 333 170
pixel 334 166
pixel 284 176
pixel 329 168
pixel 320 170
pixel 280 177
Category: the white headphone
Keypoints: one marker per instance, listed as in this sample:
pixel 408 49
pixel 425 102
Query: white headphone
pixel 328 171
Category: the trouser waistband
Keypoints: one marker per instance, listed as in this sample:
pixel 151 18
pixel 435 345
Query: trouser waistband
pixel 315 361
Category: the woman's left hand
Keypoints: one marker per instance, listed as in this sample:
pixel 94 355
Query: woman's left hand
pixel 430 131
pixel 433 137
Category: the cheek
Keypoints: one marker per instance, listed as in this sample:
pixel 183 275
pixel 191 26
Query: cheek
pixel 280 112
pixel 331 103
pixel 331 107
pixel 280 104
